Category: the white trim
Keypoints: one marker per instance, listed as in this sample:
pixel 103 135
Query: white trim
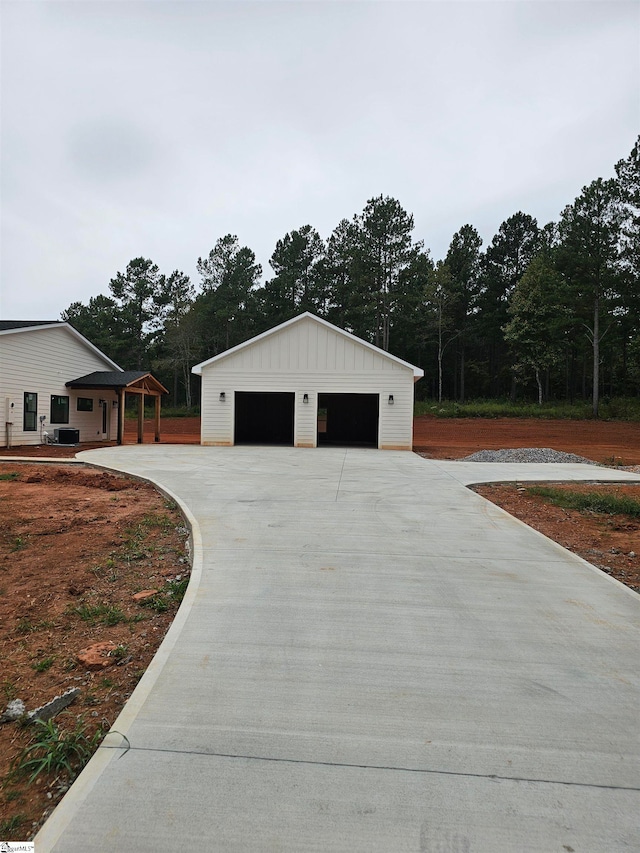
pixel 74 332
pixel 418 373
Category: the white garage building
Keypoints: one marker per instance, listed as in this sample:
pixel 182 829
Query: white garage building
pixel 307 383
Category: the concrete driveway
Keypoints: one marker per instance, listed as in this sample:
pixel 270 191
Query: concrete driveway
pixel 370 657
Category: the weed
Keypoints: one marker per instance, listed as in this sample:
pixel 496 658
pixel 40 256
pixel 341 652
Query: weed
pixel 44 664
pixel 607 503
pixel 106 614
pixel 159 602
pixel 12 796
pixel 19 543
pixel 108 683
pixel 177 587
pixel 11 824
pixel 53 750
pixel 26 626
pixel 9 689
pixel 120 652
pixel 13 475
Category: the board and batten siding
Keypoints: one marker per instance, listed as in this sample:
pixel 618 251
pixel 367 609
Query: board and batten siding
pixel 308 358
pixel 41 361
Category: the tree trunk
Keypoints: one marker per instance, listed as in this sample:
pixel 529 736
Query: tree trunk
pixel 462 373
pixel 539 382
pixel 596 355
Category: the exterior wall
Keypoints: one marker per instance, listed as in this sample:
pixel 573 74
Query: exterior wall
pixel 40 361
pixel 395 421
pixel 308 358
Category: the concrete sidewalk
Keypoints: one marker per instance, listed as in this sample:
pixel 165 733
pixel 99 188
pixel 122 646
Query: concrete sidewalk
pixel 370 657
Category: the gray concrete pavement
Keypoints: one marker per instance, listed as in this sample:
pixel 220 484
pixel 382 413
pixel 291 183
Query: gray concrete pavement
pixel 370 657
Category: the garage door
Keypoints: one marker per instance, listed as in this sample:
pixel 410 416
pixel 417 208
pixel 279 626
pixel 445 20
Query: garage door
pixel 263 418
pixel 348 419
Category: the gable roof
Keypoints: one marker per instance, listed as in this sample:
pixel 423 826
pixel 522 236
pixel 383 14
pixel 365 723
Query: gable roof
pixel 13 327
pixel 418 373
pixel 116 379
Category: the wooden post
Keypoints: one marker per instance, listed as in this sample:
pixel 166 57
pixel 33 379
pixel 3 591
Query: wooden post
pixel 141 418
pixel 157 414
pixel 121 401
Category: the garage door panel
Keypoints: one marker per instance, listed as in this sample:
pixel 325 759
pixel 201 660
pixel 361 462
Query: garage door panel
pixel 264 417
pixel 349 419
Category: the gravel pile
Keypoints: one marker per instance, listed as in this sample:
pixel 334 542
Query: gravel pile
pixel 526 454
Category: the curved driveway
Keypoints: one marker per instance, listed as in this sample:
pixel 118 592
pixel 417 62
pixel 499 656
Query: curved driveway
pixel 370 657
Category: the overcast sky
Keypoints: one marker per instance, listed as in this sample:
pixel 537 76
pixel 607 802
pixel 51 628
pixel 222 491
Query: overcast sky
pixel 153 128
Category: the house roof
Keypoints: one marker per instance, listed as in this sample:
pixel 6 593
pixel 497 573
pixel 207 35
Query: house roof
pixel 14 327
pixel 117 379
pixel 9 325
pixel 418 373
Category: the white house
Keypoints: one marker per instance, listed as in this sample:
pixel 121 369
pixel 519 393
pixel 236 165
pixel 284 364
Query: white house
pixel 53 380
pixel 307 383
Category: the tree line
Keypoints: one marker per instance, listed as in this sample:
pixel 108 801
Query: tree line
pixel 549 311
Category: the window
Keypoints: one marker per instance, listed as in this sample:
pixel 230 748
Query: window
pixel 30 413
pixel 59 410
pixel 85 404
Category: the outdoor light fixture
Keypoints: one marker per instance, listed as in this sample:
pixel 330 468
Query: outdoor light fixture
pixel 391 399
pixel 223 396
pixel 305 398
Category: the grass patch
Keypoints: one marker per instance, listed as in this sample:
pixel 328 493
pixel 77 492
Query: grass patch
pixel 26 626
pixel 11 476
pixel 9 689
pixel 622 409
pixel 54 750
pixel 105 614
pixel 172 593
pixel 11 825
pixel 44 664
pixel 602 502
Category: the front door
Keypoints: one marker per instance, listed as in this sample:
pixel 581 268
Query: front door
pixel 105 419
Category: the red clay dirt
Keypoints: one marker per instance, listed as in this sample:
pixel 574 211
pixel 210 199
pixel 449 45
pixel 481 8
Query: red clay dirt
pixel 76 545
pixel 612 442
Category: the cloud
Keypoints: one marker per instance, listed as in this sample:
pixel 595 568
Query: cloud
pixel 153 128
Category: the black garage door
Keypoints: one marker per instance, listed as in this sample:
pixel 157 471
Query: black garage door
pixel 350 419
pixel 263 418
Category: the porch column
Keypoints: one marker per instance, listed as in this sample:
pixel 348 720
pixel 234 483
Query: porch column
pixel 157 416
pixel 121 400
pixel 141 418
